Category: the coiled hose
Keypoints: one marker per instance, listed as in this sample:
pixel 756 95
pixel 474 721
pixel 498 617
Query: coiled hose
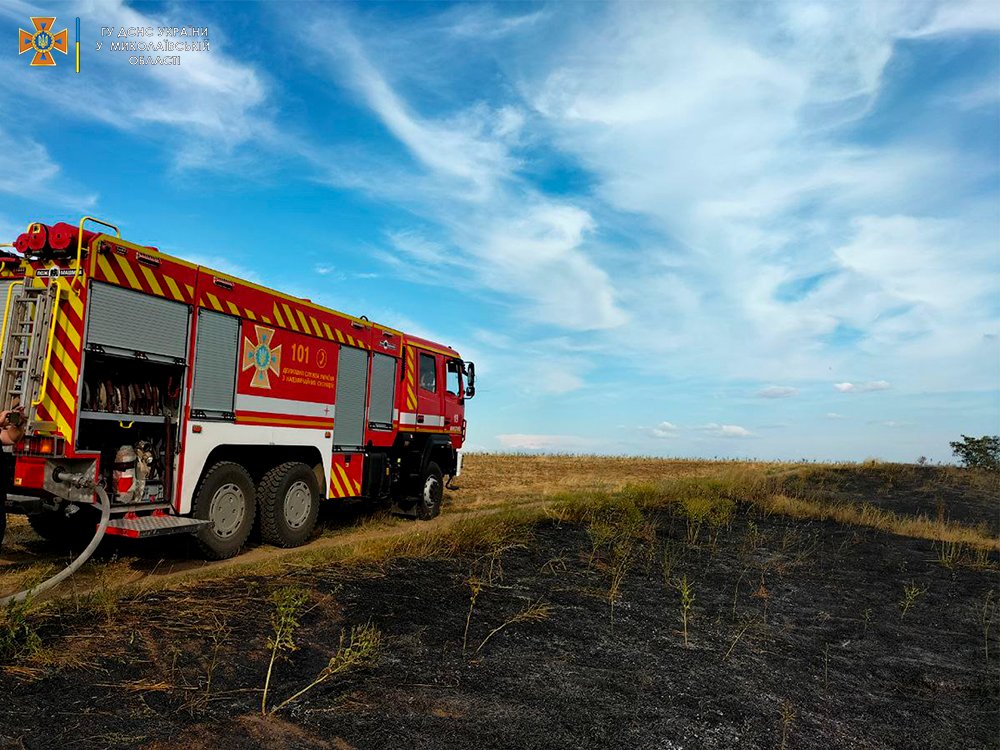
pixel 74 566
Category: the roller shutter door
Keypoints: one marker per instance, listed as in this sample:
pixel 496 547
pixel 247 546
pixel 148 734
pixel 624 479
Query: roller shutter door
pixel 4 288
pixel 383 392
pixel 352 383
pixel 125 319
pixel 216 352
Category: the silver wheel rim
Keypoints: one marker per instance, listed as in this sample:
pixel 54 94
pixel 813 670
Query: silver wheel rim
pixel 298 501
pixel 429 490
pixel 227 510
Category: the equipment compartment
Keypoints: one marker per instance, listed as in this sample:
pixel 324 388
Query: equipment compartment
pixel 126 389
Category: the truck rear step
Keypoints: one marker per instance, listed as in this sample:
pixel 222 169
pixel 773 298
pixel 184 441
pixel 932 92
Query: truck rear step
pixel 147 526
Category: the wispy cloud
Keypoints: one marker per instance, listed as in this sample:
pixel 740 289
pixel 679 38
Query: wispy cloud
pixel 203 107
pixel 28 171
pixel 726 430
pixel 871 385
pixel 777 391
pixel 493 230
pixel 546 442
pixel 662 431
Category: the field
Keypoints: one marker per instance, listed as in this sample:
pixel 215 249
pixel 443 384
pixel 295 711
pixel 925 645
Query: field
pixel 557 602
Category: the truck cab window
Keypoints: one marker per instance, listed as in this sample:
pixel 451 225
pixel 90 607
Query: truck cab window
pixel 428 373
pixel 452 384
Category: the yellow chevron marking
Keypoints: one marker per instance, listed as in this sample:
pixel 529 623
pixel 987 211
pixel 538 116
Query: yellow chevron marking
pixel 175 291
pixel 302 318
pixel 213 301
pixel 340 336
pixel 61 389
pixel 60 353
pixel 233 308
pixel 129 273
pixel 71 296
pixel 329 333
pixel 190 291
pixel 290 317
pixel 151 279
pixel 338 490
pixel 249 314
pixel 61 424
pixel 71 333
pixel 53 408
pixel 345 479
pixel 315 325
pixel 277 316
pixel 265 319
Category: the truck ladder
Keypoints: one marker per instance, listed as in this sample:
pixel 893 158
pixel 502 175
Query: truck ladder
pixel 26 340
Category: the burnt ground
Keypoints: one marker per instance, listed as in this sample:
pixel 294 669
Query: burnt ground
pixel 938 492
pixel 796 640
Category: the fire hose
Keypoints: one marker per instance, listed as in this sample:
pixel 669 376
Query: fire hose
pixel 74 566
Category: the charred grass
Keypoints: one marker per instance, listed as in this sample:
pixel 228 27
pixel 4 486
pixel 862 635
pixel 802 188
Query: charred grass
pixel 725 605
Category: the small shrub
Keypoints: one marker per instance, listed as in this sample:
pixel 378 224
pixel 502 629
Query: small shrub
pixel 288 603
pixel 910 594
pixel 978 453
pixel 18 637
pixel 686 590
pixel 357 649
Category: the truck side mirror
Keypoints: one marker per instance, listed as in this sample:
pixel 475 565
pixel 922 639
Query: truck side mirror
pixel 470 382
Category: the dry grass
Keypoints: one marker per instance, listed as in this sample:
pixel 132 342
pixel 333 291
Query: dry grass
pixel 501 497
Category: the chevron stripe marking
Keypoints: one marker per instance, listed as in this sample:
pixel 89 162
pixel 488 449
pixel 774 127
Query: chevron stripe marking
pixel 151 280
pixel 175 291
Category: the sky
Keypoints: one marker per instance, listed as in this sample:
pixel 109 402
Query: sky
pixel 734 229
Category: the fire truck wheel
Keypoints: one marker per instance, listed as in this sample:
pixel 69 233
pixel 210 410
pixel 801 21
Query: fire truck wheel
pixel 226 497
pixel 431 493
pixel 288 496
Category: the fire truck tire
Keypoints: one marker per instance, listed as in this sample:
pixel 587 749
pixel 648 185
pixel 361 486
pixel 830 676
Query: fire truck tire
pixel 288 497
pixel 226 496
pixel 431 493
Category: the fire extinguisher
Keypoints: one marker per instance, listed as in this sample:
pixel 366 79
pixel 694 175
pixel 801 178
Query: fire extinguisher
pixel 123 475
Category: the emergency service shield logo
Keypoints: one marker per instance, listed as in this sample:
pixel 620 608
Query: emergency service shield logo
pixel 261 356
pixel 43 41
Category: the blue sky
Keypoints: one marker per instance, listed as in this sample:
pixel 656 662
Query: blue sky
pixel 751 230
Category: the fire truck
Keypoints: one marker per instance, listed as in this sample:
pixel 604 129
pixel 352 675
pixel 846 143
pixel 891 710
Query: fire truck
pixel 203 403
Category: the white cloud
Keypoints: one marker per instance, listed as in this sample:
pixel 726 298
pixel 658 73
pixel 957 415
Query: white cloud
pixel 727 430
pixel 545 442
pixel 834 415
pixel 492 230
pixel 870 386
pixel 777 391
pixel 664 430
pixel 28 171
pixel 212 99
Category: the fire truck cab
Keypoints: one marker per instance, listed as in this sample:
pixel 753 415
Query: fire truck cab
pixel 205 403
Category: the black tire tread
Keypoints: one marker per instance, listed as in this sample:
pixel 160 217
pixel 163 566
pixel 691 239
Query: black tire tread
pixel 267 500
pixel 208 550
pixel 423 514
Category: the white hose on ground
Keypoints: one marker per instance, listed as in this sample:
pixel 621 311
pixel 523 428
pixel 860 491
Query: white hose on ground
pixel 74 566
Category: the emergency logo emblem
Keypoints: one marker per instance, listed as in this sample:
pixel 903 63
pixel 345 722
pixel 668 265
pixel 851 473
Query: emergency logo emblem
pixel 43 41
pixel 261 356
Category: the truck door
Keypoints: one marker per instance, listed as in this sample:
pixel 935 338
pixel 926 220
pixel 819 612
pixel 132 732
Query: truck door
pixel 453 394
pixel 430 387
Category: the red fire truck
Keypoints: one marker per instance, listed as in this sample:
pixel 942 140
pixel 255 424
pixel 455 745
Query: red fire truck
pixel 204 403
